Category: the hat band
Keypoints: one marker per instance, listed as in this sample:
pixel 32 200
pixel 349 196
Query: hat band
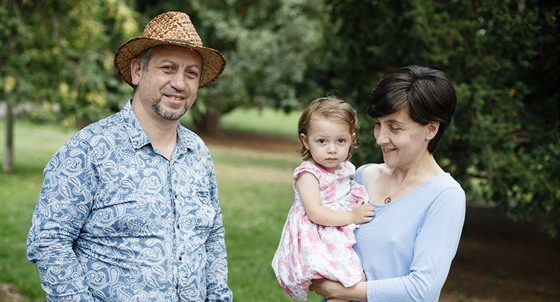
pixel 180 41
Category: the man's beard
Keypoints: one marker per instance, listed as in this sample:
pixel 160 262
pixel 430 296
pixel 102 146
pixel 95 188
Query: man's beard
pixel 165 114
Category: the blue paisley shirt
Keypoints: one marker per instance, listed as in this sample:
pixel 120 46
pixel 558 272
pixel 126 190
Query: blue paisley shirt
pixel 117 221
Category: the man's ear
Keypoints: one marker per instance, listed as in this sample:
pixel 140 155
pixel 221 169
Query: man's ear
pixel 135 71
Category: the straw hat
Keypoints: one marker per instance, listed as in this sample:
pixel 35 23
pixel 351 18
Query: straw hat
pixel 171 28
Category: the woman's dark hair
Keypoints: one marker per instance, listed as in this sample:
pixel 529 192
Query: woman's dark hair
pixel 427 94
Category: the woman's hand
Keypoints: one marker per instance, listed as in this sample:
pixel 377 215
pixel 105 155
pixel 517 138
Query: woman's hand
pixel 333 289
pixel 325 287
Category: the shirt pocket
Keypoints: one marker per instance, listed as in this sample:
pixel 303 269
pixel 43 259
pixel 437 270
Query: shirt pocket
pixel 203 213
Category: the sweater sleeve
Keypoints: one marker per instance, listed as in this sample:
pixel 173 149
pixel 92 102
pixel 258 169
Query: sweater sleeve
pixel 435 247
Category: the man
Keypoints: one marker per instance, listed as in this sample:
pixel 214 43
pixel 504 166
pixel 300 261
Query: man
pixel 129 206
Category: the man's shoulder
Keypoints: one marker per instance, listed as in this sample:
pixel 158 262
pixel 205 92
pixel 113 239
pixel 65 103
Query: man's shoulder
pixel 190 138
pixel 107 127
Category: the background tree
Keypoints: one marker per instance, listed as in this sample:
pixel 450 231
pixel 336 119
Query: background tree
pixel 57 55
pixel 504 143
pixel 14 39
pixel 503 146
pixel 268 44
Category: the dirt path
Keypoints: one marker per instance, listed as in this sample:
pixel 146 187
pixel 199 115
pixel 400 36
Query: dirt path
pixel 502 260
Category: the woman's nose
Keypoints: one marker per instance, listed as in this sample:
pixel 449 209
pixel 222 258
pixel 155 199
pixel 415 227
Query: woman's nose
pixel 381 137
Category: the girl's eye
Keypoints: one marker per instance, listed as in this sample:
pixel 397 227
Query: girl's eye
pixel 341 140
pixel 321 141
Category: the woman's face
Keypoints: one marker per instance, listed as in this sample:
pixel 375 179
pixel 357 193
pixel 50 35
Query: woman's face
pixel 403 141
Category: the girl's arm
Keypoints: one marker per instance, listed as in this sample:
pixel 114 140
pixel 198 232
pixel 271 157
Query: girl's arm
pixel 308 187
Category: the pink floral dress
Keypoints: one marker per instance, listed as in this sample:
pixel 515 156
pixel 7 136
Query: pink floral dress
pixel 309 251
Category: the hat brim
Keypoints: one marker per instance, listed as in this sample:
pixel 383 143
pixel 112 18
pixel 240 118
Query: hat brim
pixel 213 62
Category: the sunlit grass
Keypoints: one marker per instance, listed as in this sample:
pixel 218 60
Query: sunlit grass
pixel 267 121
pixel 261 121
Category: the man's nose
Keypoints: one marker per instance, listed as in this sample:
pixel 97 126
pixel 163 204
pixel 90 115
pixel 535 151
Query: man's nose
pixel 178 81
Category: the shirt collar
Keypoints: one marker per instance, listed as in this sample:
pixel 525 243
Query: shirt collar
pixel 139 138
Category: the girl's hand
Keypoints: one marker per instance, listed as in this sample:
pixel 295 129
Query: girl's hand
pixel 362 212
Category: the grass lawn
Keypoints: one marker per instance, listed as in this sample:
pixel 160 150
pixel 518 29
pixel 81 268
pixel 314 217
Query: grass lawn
pixel 255 194
pixel 265 121
pixel 34 145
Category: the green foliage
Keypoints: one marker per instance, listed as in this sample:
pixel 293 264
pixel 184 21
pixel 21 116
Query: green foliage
pixel 268 46
pixel 15 39
pixel 503 57
pixel 61 55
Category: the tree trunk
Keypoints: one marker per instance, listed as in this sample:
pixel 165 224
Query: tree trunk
pixel 211 122
pixel 9 166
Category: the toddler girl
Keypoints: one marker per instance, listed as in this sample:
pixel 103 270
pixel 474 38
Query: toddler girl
pixel 318 235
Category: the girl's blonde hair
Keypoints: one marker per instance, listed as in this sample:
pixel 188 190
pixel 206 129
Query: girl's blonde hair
pixel 330 108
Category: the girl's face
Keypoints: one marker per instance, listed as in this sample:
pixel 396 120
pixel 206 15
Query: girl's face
pixel 402 140
pixel 328 142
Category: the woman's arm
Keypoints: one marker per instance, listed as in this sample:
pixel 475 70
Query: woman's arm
pixel 308 187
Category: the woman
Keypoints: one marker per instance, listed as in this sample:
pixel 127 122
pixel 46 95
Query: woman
pixel 406 251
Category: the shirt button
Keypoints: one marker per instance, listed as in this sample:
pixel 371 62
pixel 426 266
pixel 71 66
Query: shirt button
pixel 178 226
pixel 180 258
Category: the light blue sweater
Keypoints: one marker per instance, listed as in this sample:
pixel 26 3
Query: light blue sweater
pixel 407 249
